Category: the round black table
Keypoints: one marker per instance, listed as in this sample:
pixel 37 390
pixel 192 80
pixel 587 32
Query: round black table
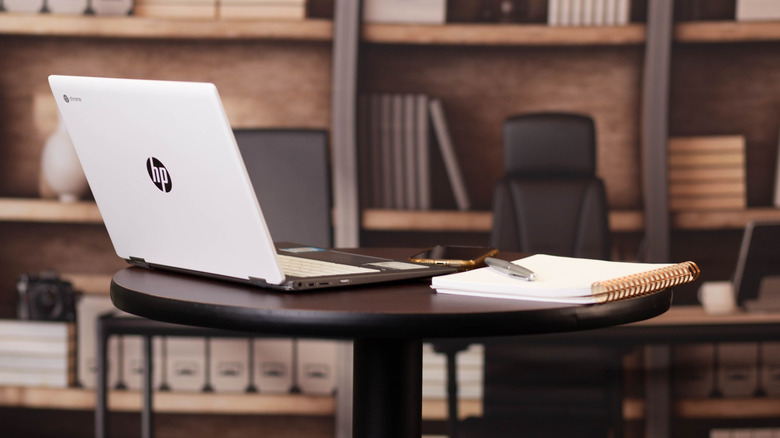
pixel 387 323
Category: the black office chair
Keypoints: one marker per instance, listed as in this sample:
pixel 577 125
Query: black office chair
pixel 290 172
pixel 550 201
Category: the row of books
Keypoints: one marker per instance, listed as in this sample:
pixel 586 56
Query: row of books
pixel 707 173
pixel 588 12
pixel 226 9
pixel 746 369
pixel 397 159
pixel 37 353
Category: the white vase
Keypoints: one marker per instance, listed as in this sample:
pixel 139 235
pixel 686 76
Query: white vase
pixel 61 167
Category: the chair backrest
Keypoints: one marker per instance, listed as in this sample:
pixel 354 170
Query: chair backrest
pixel 550 199
pixel 290 172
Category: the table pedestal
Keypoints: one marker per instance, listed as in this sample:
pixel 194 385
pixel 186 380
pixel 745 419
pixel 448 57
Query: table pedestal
pixel 387 390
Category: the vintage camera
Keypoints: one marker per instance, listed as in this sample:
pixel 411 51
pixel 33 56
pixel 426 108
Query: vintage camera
pixel 45 297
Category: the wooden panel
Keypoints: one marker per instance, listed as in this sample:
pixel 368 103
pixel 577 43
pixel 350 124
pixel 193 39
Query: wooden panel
pixel 481 86
pixel 278 84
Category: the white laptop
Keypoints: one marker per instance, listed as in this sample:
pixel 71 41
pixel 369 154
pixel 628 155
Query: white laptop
pixel 170 183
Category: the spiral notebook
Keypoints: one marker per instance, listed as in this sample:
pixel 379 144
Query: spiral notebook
pixel 569 280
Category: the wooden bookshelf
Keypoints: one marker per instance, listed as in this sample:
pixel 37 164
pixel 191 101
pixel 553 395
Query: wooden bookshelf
pixel 503 35
pixel 726 31
pixel 159 28
pixel 44 210
pixel 722 408
pixel 466 221
pixel 202 403
pixel 725 219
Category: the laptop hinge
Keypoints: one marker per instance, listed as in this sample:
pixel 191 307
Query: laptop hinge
pixel 257 281
pixel 138 261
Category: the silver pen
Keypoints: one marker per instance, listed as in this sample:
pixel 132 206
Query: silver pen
pixel 510 269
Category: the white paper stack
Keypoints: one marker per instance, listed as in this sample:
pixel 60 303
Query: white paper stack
pixel 37 353
pixel 262 9
pixel 588 12
pixel 405 11
pixel 198 9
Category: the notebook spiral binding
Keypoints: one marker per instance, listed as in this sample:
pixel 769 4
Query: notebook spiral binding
pixel 644 283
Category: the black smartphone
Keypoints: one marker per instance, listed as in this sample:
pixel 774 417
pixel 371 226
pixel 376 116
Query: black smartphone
pixel 456 256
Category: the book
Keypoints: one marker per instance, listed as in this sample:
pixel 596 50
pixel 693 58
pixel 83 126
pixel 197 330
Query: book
pixel 757 10
pixel 37 353
pixel 777 176
pixel 405 11
pixel 444 139
pixel 707 173
pixel 569 280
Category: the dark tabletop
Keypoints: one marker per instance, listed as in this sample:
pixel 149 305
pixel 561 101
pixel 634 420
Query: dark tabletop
pixel 407 309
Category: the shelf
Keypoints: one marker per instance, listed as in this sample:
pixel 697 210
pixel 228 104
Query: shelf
pixel 503 34
pixel 714 408
pixel 467 221
pixel 44 210
pixel 733 408
pixel 159 28
pixel 725 219
pixel 726 31
pixel 170 402
pixel 201 403
pixel 695 315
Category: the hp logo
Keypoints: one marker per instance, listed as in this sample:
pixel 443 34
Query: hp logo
pixel 159 174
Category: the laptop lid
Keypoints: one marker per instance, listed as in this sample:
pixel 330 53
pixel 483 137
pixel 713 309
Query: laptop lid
pixel 167 176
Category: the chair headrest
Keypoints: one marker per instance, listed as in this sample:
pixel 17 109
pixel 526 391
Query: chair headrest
pixel 549 144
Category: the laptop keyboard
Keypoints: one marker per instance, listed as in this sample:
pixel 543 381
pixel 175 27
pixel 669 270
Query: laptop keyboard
pixel 300 267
